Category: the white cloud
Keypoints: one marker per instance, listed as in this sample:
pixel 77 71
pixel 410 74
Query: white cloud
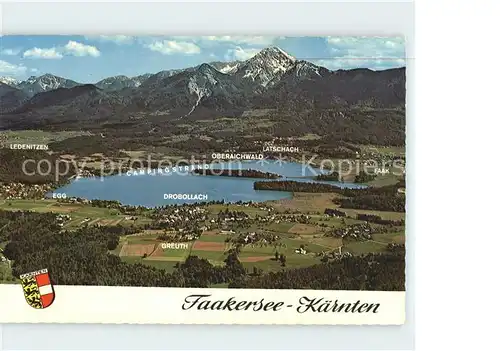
pixel 240 54
pixel 47 54
pixel 350 63
pixel 72 48
pixel 368 52
pixel 169 47
pixel 241 39
pixel 235 40
pixel 78 49
pixel 333 40
pixel 10 52
pixel 367 47
pixel 117 39
pixel 11 69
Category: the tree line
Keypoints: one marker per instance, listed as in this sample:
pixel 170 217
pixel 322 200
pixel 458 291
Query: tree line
pixel 312 187
pixel 246 173
pixel 294 186
pixel 332 176
pixel 384 272
pixel 379 220
pixel 394 203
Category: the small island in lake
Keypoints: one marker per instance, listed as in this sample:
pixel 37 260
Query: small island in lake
pixel 293 186
pixel 245 173
pixel 333 176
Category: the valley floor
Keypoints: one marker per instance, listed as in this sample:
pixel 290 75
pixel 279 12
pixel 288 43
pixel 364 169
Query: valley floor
pixel 313 235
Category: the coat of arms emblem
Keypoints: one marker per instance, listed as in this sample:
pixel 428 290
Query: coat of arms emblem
pixel 38 289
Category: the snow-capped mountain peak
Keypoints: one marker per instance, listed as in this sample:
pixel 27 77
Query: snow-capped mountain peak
pixel 9 81
pixel 276 53
pixel 46 82
pixel 266 66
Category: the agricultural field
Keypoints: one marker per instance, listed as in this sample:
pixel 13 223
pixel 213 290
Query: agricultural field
pixel 36 136
pixel 388 238
pixel 386 179
pixel 146 248
pixel 253 120
pixel 314 203
pixel 363 247
pixel 79 213
pixel 383 150
pixel 251 211
pixel 214 245
pixel 305 203
pixel 378 243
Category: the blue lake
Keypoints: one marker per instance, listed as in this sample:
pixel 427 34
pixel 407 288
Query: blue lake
pixel 149 189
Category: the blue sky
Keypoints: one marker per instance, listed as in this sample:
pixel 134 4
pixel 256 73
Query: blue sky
pixel 88 59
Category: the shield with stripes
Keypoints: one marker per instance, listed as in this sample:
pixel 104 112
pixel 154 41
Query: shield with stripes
pixel 38 289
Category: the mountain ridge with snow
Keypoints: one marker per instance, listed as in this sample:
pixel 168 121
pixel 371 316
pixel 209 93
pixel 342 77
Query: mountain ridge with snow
pixel 261 71
pixel 9 81
pixel 47 82
pixel 262 67
pixel 270 79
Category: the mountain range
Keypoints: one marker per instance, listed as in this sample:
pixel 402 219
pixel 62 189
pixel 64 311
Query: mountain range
pixel 270 79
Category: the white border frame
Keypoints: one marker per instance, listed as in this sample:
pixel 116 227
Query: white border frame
pixel 354 18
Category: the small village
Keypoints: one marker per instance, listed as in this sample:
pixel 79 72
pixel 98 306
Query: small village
pixel 17 191
pixel 360 231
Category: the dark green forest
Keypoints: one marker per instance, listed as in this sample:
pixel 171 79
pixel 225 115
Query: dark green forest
pixel 246 173
pixel 393 202
pixel 294 186
pixel 32 167
pixel 371 272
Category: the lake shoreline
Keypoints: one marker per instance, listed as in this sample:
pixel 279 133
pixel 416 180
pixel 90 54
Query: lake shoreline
pixel 136 190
